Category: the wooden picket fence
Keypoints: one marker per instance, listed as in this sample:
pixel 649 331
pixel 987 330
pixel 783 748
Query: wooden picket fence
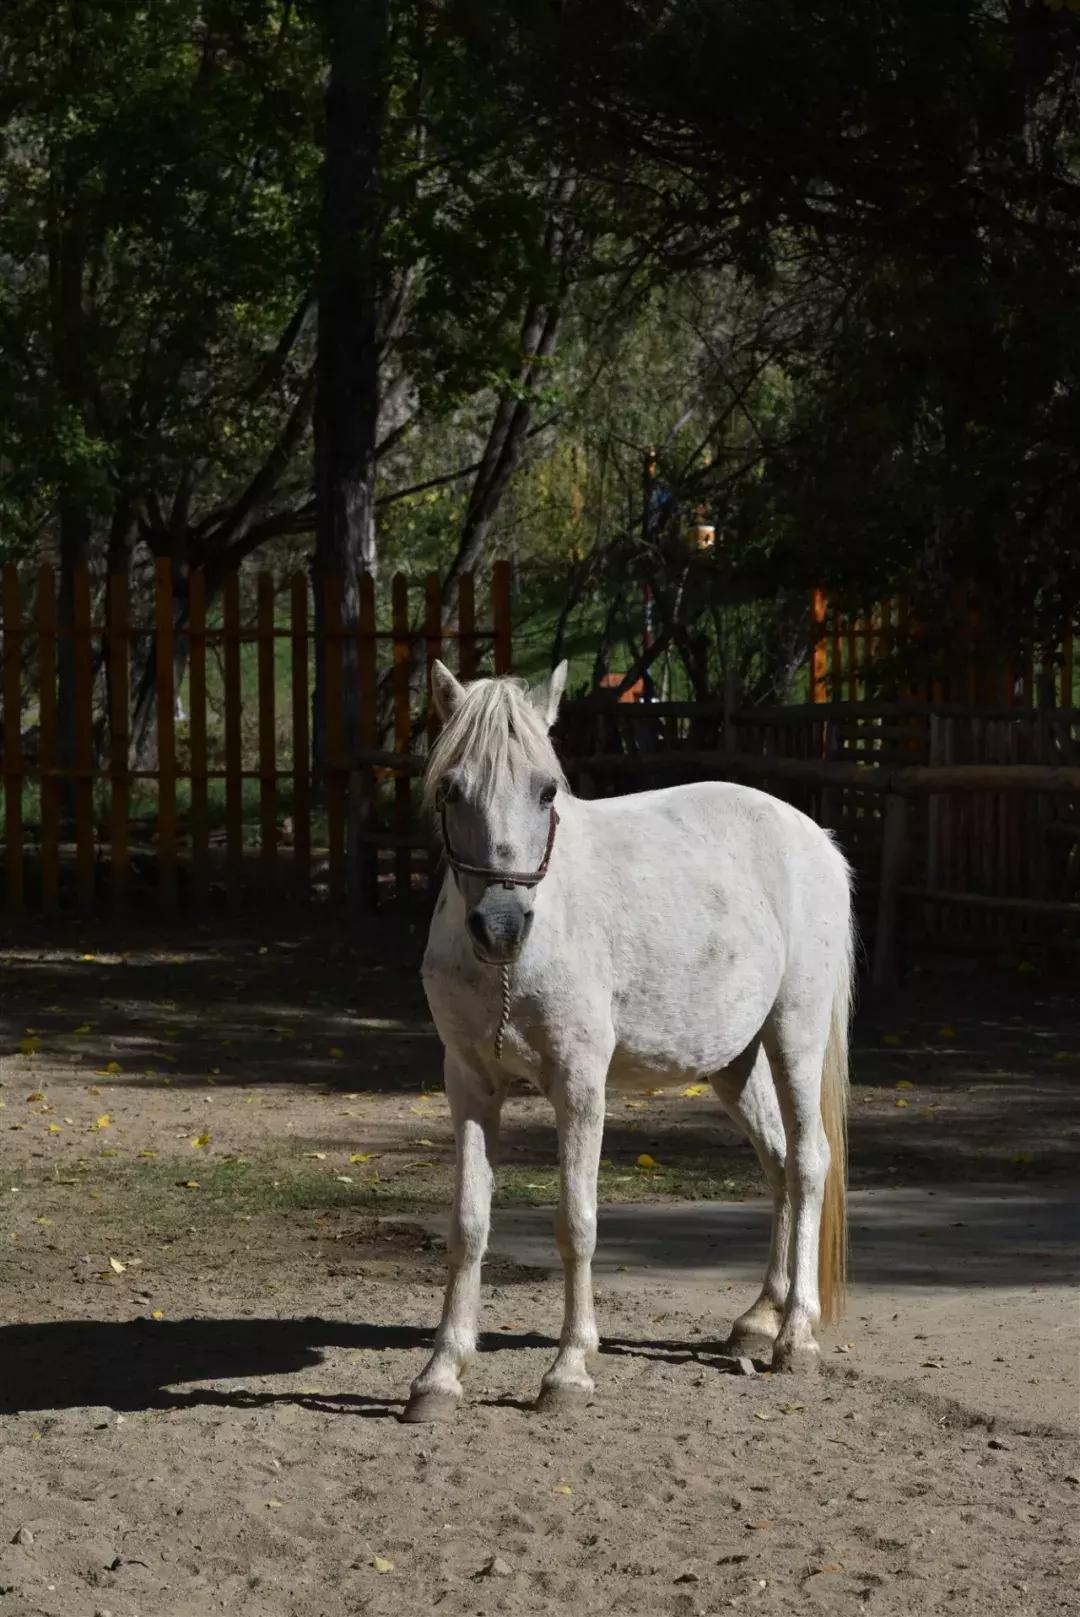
pixel 852 654
pixel 218 831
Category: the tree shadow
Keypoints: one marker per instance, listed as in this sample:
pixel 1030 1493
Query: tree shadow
pixel 137 1365
pixel 140 1364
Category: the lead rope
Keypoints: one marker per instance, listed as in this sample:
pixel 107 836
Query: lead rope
pixel 505 1016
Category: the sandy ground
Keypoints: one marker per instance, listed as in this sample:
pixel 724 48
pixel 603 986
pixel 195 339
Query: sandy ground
pixel 215 1298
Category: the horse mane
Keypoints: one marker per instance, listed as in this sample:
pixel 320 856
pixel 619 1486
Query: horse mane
pixel 494 731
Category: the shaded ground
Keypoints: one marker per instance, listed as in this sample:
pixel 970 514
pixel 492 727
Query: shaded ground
pixel 224 1169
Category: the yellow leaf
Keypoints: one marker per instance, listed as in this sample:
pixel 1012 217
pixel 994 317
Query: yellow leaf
pixel 692 1091
pixel 29 1046
pixel 43 1220
pixel 316 1156
pixel 111 1068
pixel 645 1161
pixel 92 1089
pixel 890 1038
pixel 88 957
pixel 563 1488
pixel 188 1184
pixel 158 1313
pixel 637 1105
pixel 904 1083
pixel 763 1414
pixel 335 1053
pixel 215 1072
pixel 381 1564
pixel 146 1153
pixel 275 1504
pixel 946 1032
pixel 901 1102
pixel 1065 1055
pixel 202 1139
pixel 425 1142
pixel 84 1027
pixel 116 1266
pixel 54 1128
pixel 361 1156
pixel 103 1122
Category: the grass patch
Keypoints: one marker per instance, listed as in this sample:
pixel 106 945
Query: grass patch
pixel 166 1196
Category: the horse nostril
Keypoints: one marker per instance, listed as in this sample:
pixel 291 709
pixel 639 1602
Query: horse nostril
pixel 478 928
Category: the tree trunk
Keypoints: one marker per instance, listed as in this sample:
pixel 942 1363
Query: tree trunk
pixel 350 285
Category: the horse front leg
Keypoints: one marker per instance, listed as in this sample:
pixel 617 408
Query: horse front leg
pixel 579 1113
pixel 475 1106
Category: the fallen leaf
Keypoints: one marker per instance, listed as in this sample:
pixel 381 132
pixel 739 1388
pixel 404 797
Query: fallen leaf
pixel 692 1091
pixel 29 1046
pixel 891 1038
pixel 381 1564
pixel 900 1102
pixel 563 1488
pixel 792 1409
pixel 116 1266
pixel 758 1527
pixel 316 1156
pixel 158 1313
pixel 361 1156
pixel 188 1184
pixel 425 1142
pixel 84 1027
pixel 334 1053
pixel 763 1414
pixel 645 1161
pixel 1022 1156
pixel 830 1566
pixel 92 1089
pixel 43 1220
pixel 343 1178
pixel 904 1083
pixel 103 1122
pixel 946 1033
pixel 37 1095
pixel 54 1128
pixel 146 1153
pixel 111 1067
pixel 202 1140
pixel 275 1504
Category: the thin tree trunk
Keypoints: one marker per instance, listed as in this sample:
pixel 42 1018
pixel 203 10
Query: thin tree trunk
pixel 350 285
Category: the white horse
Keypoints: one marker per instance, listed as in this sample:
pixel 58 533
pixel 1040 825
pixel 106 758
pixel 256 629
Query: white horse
pixel 702 932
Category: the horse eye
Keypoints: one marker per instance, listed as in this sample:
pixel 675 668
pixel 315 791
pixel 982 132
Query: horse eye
pixel 448 792
pixel 547 795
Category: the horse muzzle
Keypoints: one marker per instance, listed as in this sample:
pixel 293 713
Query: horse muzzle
pixel 499 928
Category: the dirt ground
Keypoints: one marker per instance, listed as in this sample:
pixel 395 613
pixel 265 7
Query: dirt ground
pixel 225 1166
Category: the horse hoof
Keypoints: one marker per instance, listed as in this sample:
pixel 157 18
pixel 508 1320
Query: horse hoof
pixel 798 1359
pixel 426 1408
pixel 748 1345
pixel 561 1397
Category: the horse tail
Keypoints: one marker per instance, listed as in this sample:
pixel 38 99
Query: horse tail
pixel 832 1249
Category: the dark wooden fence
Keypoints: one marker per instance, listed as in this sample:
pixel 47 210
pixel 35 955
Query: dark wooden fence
pixel 222 803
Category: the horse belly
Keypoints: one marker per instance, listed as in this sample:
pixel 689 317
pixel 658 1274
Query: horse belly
pixel 664 1041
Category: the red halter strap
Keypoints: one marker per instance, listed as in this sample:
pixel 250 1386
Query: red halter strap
pixel 505 878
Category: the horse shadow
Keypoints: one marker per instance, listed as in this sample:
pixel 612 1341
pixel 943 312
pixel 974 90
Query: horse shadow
pixel 140 1364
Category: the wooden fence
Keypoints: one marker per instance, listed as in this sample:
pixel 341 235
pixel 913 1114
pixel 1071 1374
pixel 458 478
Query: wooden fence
pixel 856 656
pixel 231 806
pixel 991 844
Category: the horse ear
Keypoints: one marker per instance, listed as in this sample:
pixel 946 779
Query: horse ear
pixel 546 696
pixel 446 691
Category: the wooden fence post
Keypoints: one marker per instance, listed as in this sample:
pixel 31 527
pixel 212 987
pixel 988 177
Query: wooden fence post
pixel 83 664
pixel 402 728
pixel 333 762
pixel 47 717
pixel 301 739
pixel 267 742
pixel 200 827
pixel 166 737
pixel 894 861
pixel 234 784
pixel 119 738
pixel 13 768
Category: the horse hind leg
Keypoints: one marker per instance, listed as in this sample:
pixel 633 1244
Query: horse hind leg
pixel 748 1095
